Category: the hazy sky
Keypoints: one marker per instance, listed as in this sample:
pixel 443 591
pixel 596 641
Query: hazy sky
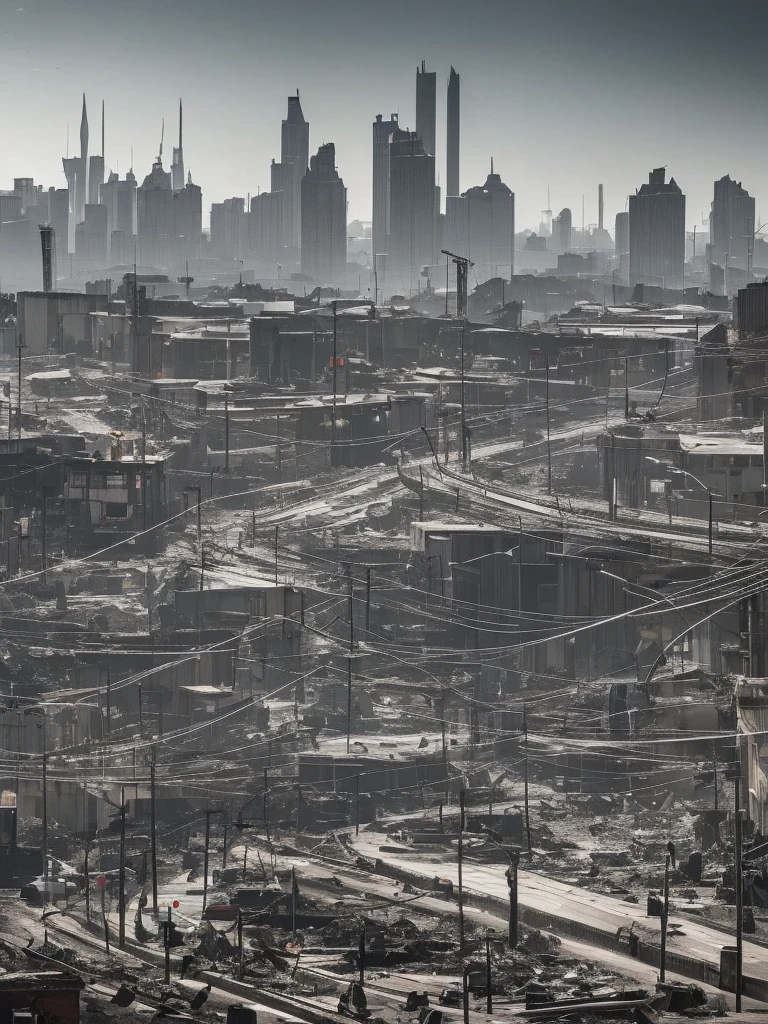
pixel 564 93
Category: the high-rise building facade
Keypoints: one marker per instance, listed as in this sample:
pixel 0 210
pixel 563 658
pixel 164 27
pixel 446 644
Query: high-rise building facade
pixel 732 225
pixel 382 132
pixel 287 174
pixel 453 134
pixel 119 197
pixel 480 224
pixel 265 226
pixel 96 169
pixel 229 229
pixel 621 246
pixel 426 107
pixel 169 223
pixel 323 219
pixel 657 233
pixel 412 213
pixel 58 215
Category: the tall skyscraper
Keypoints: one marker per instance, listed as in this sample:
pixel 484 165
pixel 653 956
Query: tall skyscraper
pixel 323 219
pixel 120 199
pixel 732 225
pixel 453 128
pixel 426 107
pixel 177 166
pixel 480 224
pixel 76 172
pixel 287 175
pixel 412 213
pixel 265 225
pixel 382 131
pixel 657 233
pixel 96 168
pixel 229 228
pixel 562 227
pixel 169 223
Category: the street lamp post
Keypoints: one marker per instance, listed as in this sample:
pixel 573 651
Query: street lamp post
pixel 711 494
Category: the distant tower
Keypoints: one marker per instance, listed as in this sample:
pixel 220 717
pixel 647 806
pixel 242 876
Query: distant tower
pixel 96 168
pixel 81 176
pixel 453 137
pixel 426 107
pixel 382 130
pixel 412 209
pixel 599 207
pixel 287 175
pixel 177 166
pixel 657 233
pixel 48 243
pixel 562 227
pixel 323 219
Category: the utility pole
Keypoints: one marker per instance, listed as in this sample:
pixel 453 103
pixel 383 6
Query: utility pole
pixel 349 699
pixel 488 995
pixel 153 828
pixel 18 409
pixel 527 815
pixel 277 539
pixel 226 428
pixel 44 545
pixel 368 600
pixel 351 612
pixel 45 818
pixel 334 368
pixel 514 860
pixel 737 822
pixel 626 388
pixel 278 453
pixel 460 874
pixel 444 745
pixel 121 882
pixel 664 921
pixel 240 943
pixel 710 523
pixel 463 407
pixel 87 882
pixel 549 444
pixel 109 701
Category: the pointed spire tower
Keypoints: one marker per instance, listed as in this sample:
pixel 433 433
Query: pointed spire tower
pixel 81 176
pixel 177 166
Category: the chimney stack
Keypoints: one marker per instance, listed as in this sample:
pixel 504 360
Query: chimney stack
pixel 48 244
pixel 600 207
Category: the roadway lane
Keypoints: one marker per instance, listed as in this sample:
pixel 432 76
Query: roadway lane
pixel 548 896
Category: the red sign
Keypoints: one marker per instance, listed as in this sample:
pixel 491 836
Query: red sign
pixel 175 904
pixel 101 881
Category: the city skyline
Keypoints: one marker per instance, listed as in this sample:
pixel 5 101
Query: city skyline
pixel 547 94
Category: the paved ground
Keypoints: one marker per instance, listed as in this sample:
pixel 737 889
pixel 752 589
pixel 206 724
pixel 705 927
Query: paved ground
pixel 561 900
